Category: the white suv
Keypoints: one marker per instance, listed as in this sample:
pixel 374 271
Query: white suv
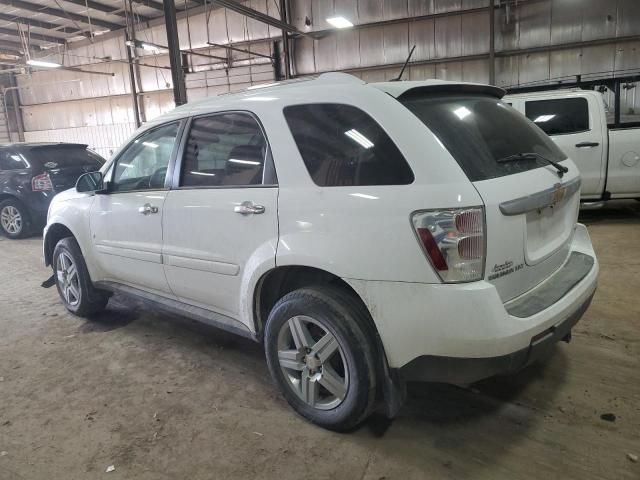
pixel 366 233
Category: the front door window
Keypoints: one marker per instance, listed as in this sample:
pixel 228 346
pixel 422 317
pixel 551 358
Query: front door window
pixel 143 165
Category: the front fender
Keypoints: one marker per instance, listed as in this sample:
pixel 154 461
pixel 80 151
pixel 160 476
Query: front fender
pixel 55 229
pixel 71 217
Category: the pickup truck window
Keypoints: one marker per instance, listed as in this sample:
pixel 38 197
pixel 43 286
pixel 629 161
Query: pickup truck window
pixel 479 131
pixel 559 116
pixel 343 146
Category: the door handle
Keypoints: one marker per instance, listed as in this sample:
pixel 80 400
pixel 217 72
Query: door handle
pixel 587 144
pixel 147 209
pixel 249 208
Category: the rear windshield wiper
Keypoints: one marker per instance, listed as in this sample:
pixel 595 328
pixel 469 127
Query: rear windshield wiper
pixel 533 156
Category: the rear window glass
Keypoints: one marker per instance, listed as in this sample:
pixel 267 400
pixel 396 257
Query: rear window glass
pixel 479 131
pixel 66 156
pixel 559 116
pixel 343 146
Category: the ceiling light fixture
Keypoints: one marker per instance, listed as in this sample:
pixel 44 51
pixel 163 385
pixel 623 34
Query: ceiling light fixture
pixel 153 48
pixel 339 22
pixel 42 63
pixel 149 47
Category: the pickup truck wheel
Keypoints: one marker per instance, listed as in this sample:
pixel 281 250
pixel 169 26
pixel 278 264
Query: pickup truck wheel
pixel 14 219
pixel 73 282
pixel 321 355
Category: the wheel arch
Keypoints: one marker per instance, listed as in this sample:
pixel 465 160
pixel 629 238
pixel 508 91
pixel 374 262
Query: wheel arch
pixel 11 194
pixel 7 196
pixel 55 233
pixel 279 281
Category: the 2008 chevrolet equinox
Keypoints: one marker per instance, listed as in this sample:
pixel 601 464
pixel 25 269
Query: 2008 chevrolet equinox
pixel 366 233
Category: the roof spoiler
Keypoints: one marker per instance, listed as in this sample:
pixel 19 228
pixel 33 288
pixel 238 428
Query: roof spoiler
pixel 454 88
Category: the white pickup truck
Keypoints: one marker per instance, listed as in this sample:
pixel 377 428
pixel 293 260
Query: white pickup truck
pixel 607 155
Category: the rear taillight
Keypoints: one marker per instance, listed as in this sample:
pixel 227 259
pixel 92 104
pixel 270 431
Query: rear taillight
pixel 453 241
pixel 41 183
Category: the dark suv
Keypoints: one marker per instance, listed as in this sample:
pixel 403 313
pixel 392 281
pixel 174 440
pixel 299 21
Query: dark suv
pixel 31 174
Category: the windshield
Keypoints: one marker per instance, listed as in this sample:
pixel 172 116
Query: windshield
pixel 65 156
pixel 480 130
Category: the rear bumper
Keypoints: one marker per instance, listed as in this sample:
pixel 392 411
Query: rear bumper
pixel 468 370
pixel 461 333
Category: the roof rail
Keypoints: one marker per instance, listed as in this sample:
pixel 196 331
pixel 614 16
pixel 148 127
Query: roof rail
pixel 331 78
pixel 338 78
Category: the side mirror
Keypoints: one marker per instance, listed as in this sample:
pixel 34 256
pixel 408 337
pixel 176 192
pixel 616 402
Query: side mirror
pixel 90 182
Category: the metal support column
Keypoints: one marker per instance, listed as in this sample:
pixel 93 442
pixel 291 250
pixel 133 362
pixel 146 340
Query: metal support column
pixel 136 63
pixel 616 103
pixel 285 40
pixel 15 99
pixel 12 91
pixel 177 74
pixel 492 42
pixel 132 83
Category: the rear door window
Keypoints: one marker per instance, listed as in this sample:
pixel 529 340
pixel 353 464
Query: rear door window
pixel 480 130
pixel 559 116
pixel 226 149
pixel 343 146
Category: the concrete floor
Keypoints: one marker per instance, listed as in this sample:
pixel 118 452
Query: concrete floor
pixel 161 397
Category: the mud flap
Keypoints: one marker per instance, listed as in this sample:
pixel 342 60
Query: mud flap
pixel 394 393
pixel 393 390
pixel 49 282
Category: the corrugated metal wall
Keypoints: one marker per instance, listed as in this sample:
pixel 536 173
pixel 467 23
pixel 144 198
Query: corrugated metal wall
pixel 59 105
pixel 535 40
pixel 527 24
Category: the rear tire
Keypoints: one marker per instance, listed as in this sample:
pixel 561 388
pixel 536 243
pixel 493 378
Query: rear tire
pixel 14 219
pixel 321 353
pixel 74 285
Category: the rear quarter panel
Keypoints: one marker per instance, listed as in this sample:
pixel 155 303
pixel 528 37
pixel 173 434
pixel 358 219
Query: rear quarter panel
pixel 361 232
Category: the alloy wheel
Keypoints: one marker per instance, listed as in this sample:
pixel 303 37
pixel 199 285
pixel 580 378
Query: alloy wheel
pixel 11 220
pixel 67 274
pixel 313 363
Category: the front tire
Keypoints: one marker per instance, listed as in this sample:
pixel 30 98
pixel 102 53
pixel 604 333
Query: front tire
pixel 74 285
pixel 321 353
pixel 14 219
